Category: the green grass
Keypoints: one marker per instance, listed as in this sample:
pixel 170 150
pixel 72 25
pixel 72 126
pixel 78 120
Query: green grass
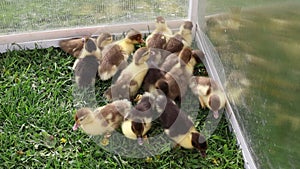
pixel 36 121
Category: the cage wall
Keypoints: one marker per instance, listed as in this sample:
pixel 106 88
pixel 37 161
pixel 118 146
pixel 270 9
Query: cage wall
pixel 257 43
pixel 52 22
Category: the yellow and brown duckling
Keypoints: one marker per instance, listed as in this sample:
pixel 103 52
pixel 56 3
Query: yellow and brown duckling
pixel 103 40
pixel 162 27
pixel 177 78
pixel 138 122
pixel 75 45
pixel 178 126
pixel 86 65
pixel 131 78
pixel 104 119
pixel 72 46
pixel 175 44
pixel 115 55
pixel 209 93
pixel 185 31
pixel 157 40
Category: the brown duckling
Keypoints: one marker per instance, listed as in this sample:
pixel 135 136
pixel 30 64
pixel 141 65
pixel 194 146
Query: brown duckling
pixel 75 45
pixel 86 65
pixel 179 127
pixel 138 121
pixel 72 46
pixel 104 119
pixel 131 78
pixel 115 55
pixel 156 40
pixel 175 44
pixel 209 93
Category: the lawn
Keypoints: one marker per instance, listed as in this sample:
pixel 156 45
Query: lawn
pixel 37 108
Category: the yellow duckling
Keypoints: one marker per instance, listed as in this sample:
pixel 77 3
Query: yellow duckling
pixel 185 31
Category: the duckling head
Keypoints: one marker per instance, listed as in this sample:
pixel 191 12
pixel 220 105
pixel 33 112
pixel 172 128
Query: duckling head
pixel 198 55
pixel 185 56
pixel 141 55
pixel 160 19
pixel 199 142
pixel 175 44
pixel 162 86
pixel 104 39
pixel 73 46
pixel 82 116
pixel 187 25
pixel 137 126
pixel 90 45
pixel 158 40
pixel 134 36
pixel 214 104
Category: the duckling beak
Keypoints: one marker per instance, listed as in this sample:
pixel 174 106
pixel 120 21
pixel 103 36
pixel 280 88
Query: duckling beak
pixel 141 41
pixel 203 153
pixel 140 140
pixel 216 114
pixel 75 127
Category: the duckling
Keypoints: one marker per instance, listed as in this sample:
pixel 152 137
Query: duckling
pixel 178 126
pixel 175 44
pixel 161 26
pixel 170 61
pixel 209 93
pixel 104 119
pixel 131 78
pixel 185 31
pixel 156 40
pixel 73 46
pixel 153 75
pixel 86 65
pixel 178 77
pixel 138 121
pixel 104 39
pixel 115 55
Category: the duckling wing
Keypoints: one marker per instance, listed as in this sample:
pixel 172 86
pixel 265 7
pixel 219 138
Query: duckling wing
pixel 72 46
pixel 86 70
pixel 181 125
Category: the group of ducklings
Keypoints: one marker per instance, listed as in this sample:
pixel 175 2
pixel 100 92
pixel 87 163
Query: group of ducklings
pixel 163 69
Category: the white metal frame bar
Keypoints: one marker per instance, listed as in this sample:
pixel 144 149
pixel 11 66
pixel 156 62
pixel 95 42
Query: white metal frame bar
pixel 45 39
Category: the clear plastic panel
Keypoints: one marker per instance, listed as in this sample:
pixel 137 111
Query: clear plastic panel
pixel 35 15
pixel 259 49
